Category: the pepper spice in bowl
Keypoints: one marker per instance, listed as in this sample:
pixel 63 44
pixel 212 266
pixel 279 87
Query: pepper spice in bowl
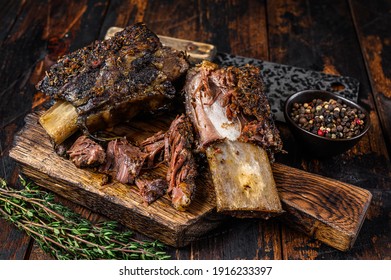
pixel 325 123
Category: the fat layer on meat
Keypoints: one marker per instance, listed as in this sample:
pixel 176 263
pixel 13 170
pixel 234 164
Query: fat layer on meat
pixel 230 103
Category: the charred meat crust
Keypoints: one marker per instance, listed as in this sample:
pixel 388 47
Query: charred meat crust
pixel 182 169
pixel 248 102
pixel 240 94
pixel 103 80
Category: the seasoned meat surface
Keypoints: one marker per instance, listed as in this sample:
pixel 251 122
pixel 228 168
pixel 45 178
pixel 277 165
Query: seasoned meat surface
pixel 182 169
pixel 86 153
pixel 235 129
pixel 230 103
pixel 151 187
pixel 124 160
pixel 114 79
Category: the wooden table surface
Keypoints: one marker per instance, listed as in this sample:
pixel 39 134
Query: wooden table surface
pixel 350 38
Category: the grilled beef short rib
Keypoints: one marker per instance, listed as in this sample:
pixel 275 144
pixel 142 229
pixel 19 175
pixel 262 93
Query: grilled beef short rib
pixel 112 80
pixel 234 127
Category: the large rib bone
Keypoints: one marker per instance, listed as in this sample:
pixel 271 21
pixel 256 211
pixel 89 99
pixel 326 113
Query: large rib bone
pixel 232 118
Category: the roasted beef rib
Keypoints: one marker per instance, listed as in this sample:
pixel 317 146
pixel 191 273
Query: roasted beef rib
pixel 110 81
pixel 231 115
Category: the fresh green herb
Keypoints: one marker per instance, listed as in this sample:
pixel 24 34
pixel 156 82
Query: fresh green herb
pixel 66 235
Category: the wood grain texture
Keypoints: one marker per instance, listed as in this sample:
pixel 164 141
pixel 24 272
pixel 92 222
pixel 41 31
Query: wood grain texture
pixel 17 242
pixel 297 35
pixel 9 11
pixel 339 37
pixel 115 200
pixel 38 254
pixel 34 35
pixel 328 210
pixel 373 27
pixel 247 239
pixel 188 20
pixel 123 13
pixel 16 95
pixel 330 215
pixel 247 29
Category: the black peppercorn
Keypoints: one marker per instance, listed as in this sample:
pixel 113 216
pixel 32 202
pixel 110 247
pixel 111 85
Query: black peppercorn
pixel 331 119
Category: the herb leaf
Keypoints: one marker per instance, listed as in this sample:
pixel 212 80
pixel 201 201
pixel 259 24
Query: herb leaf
pixel 66 235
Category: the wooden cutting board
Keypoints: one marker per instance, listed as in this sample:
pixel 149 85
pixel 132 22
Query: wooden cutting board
pixel 323 208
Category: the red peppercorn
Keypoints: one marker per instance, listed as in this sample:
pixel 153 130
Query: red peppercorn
pixel 358 121
pixel 95 63
pixel 320 132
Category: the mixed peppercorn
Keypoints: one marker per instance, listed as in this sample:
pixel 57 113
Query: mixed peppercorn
pixel 331 119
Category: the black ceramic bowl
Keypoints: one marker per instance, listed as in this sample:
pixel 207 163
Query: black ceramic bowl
pixel 315 145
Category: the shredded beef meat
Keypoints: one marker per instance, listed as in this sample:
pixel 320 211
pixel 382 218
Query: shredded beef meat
pixel 86 153
pixel 182 169
pixel 151 187
pixel 124 160
pixel 154 147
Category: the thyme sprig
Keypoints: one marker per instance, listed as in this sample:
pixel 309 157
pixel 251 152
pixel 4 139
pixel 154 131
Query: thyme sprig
pixel 66 235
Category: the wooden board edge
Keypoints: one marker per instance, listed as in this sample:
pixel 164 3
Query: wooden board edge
pixel 189 228
pixel 175 236
pixel 321 229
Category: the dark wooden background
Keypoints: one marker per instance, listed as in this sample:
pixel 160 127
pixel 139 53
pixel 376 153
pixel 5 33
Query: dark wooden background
pixel 350 38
